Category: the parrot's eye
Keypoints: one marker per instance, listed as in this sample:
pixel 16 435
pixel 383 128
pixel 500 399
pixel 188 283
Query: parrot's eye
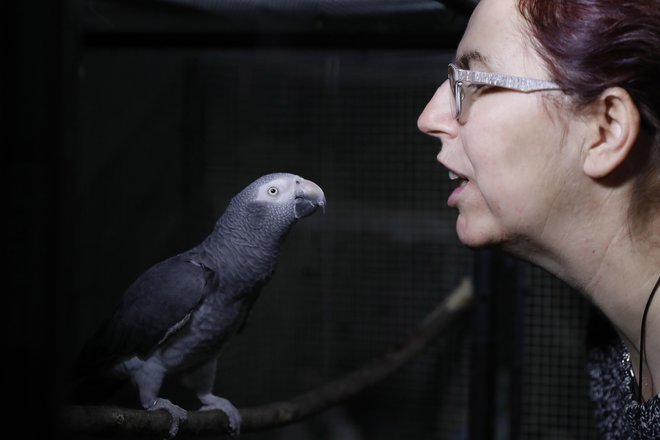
pixel 272 191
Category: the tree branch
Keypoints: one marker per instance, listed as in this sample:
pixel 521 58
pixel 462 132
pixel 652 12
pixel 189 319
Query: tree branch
pixel 108 419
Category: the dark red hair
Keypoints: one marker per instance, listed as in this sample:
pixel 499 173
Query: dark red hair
pixel 590 45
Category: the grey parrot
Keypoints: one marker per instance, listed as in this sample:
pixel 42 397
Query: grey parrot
pixel 176 316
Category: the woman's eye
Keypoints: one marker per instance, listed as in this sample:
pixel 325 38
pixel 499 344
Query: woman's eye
pixel 476 90
pixel 477 87
pixel 272 191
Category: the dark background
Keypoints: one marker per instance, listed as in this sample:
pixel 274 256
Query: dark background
pixel 128 125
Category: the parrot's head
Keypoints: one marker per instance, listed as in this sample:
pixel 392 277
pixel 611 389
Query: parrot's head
pixel 274 202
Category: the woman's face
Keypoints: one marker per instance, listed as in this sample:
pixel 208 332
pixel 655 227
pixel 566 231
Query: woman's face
pixel 515 176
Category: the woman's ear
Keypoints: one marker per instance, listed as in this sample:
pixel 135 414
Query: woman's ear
pixel 617 120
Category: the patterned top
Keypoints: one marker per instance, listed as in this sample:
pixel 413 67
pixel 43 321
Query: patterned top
pixel 618 414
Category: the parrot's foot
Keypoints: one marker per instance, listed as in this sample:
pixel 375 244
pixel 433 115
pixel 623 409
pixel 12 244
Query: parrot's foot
pixel 212 402
pixel 178 414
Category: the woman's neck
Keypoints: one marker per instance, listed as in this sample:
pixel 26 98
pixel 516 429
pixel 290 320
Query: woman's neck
pixel 617 274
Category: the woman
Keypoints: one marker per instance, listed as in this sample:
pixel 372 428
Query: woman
pixel 555 149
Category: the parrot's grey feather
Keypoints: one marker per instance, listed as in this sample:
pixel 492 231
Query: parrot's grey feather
pixel 177 315
pixel 174 287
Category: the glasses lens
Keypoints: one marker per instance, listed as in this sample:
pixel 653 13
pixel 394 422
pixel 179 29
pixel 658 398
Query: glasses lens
pixel 456 91
pixel 451 76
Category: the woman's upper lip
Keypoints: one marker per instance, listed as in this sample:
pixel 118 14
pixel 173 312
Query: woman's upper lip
pixel 455 175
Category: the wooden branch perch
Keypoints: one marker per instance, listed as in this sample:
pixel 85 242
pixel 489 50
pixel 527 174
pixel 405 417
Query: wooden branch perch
pixel 107 419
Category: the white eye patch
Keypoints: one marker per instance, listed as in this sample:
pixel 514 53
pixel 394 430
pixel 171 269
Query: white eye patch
pixel 278 189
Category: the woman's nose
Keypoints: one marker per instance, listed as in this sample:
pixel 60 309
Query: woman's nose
pixel 436 118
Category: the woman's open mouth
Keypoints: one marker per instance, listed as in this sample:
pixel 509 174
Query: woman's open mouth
pixel 452 200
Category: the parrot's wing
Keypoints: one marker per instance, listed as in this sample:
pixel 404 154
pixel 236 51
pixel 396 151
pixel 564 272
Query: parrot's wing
pixel 154 307
pixel 245 312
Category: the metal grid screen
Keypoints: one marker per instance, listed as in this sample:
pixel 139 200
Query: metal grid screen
pixel 382 251
pixel 167 138
pixel 177 134
pixel 555 402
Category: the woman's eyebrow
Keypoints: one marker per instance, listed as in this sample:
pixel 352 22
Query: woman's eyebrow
pixel 464 61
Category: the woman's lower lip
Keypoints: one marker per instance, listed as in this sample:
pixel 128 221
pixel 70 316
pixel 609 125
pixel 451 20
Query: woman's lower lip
pixel 452 200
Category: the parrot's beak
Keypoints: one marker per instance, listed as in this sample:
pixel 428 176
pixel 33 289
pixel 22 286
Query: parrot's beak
pixel 309 197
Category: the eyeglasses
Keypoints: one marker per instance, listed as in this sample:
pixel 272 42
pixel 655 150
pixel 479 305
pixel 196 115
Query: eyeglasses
pixel 458 76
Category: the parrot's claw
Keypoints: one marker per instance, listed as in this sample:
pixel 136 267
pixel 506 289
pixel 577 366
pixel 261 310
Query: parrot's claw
pixel 212 402
pixel 178 414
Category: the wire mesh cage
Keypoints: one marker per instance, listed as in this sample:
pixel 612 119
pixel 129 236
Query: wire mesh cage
pixel 178 134
pixel 173 112
pixel 555 402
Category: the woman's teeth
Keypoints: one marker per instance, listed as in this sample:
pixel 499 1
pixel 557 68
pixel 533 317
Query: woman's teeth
pixel 453 176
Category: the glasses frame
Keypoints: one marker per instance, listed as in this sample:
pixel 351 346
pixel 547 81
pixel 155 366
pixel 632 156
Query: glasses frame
pixel 458 76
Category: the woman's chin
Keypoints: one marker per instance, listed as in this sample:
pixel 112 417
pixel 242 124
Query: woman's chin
pixel 473 242
pixel 474 236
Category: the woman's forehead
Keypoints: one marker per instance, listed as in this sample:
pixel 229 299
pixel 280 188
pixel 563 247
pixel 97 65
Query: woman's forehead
pixel 496 40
